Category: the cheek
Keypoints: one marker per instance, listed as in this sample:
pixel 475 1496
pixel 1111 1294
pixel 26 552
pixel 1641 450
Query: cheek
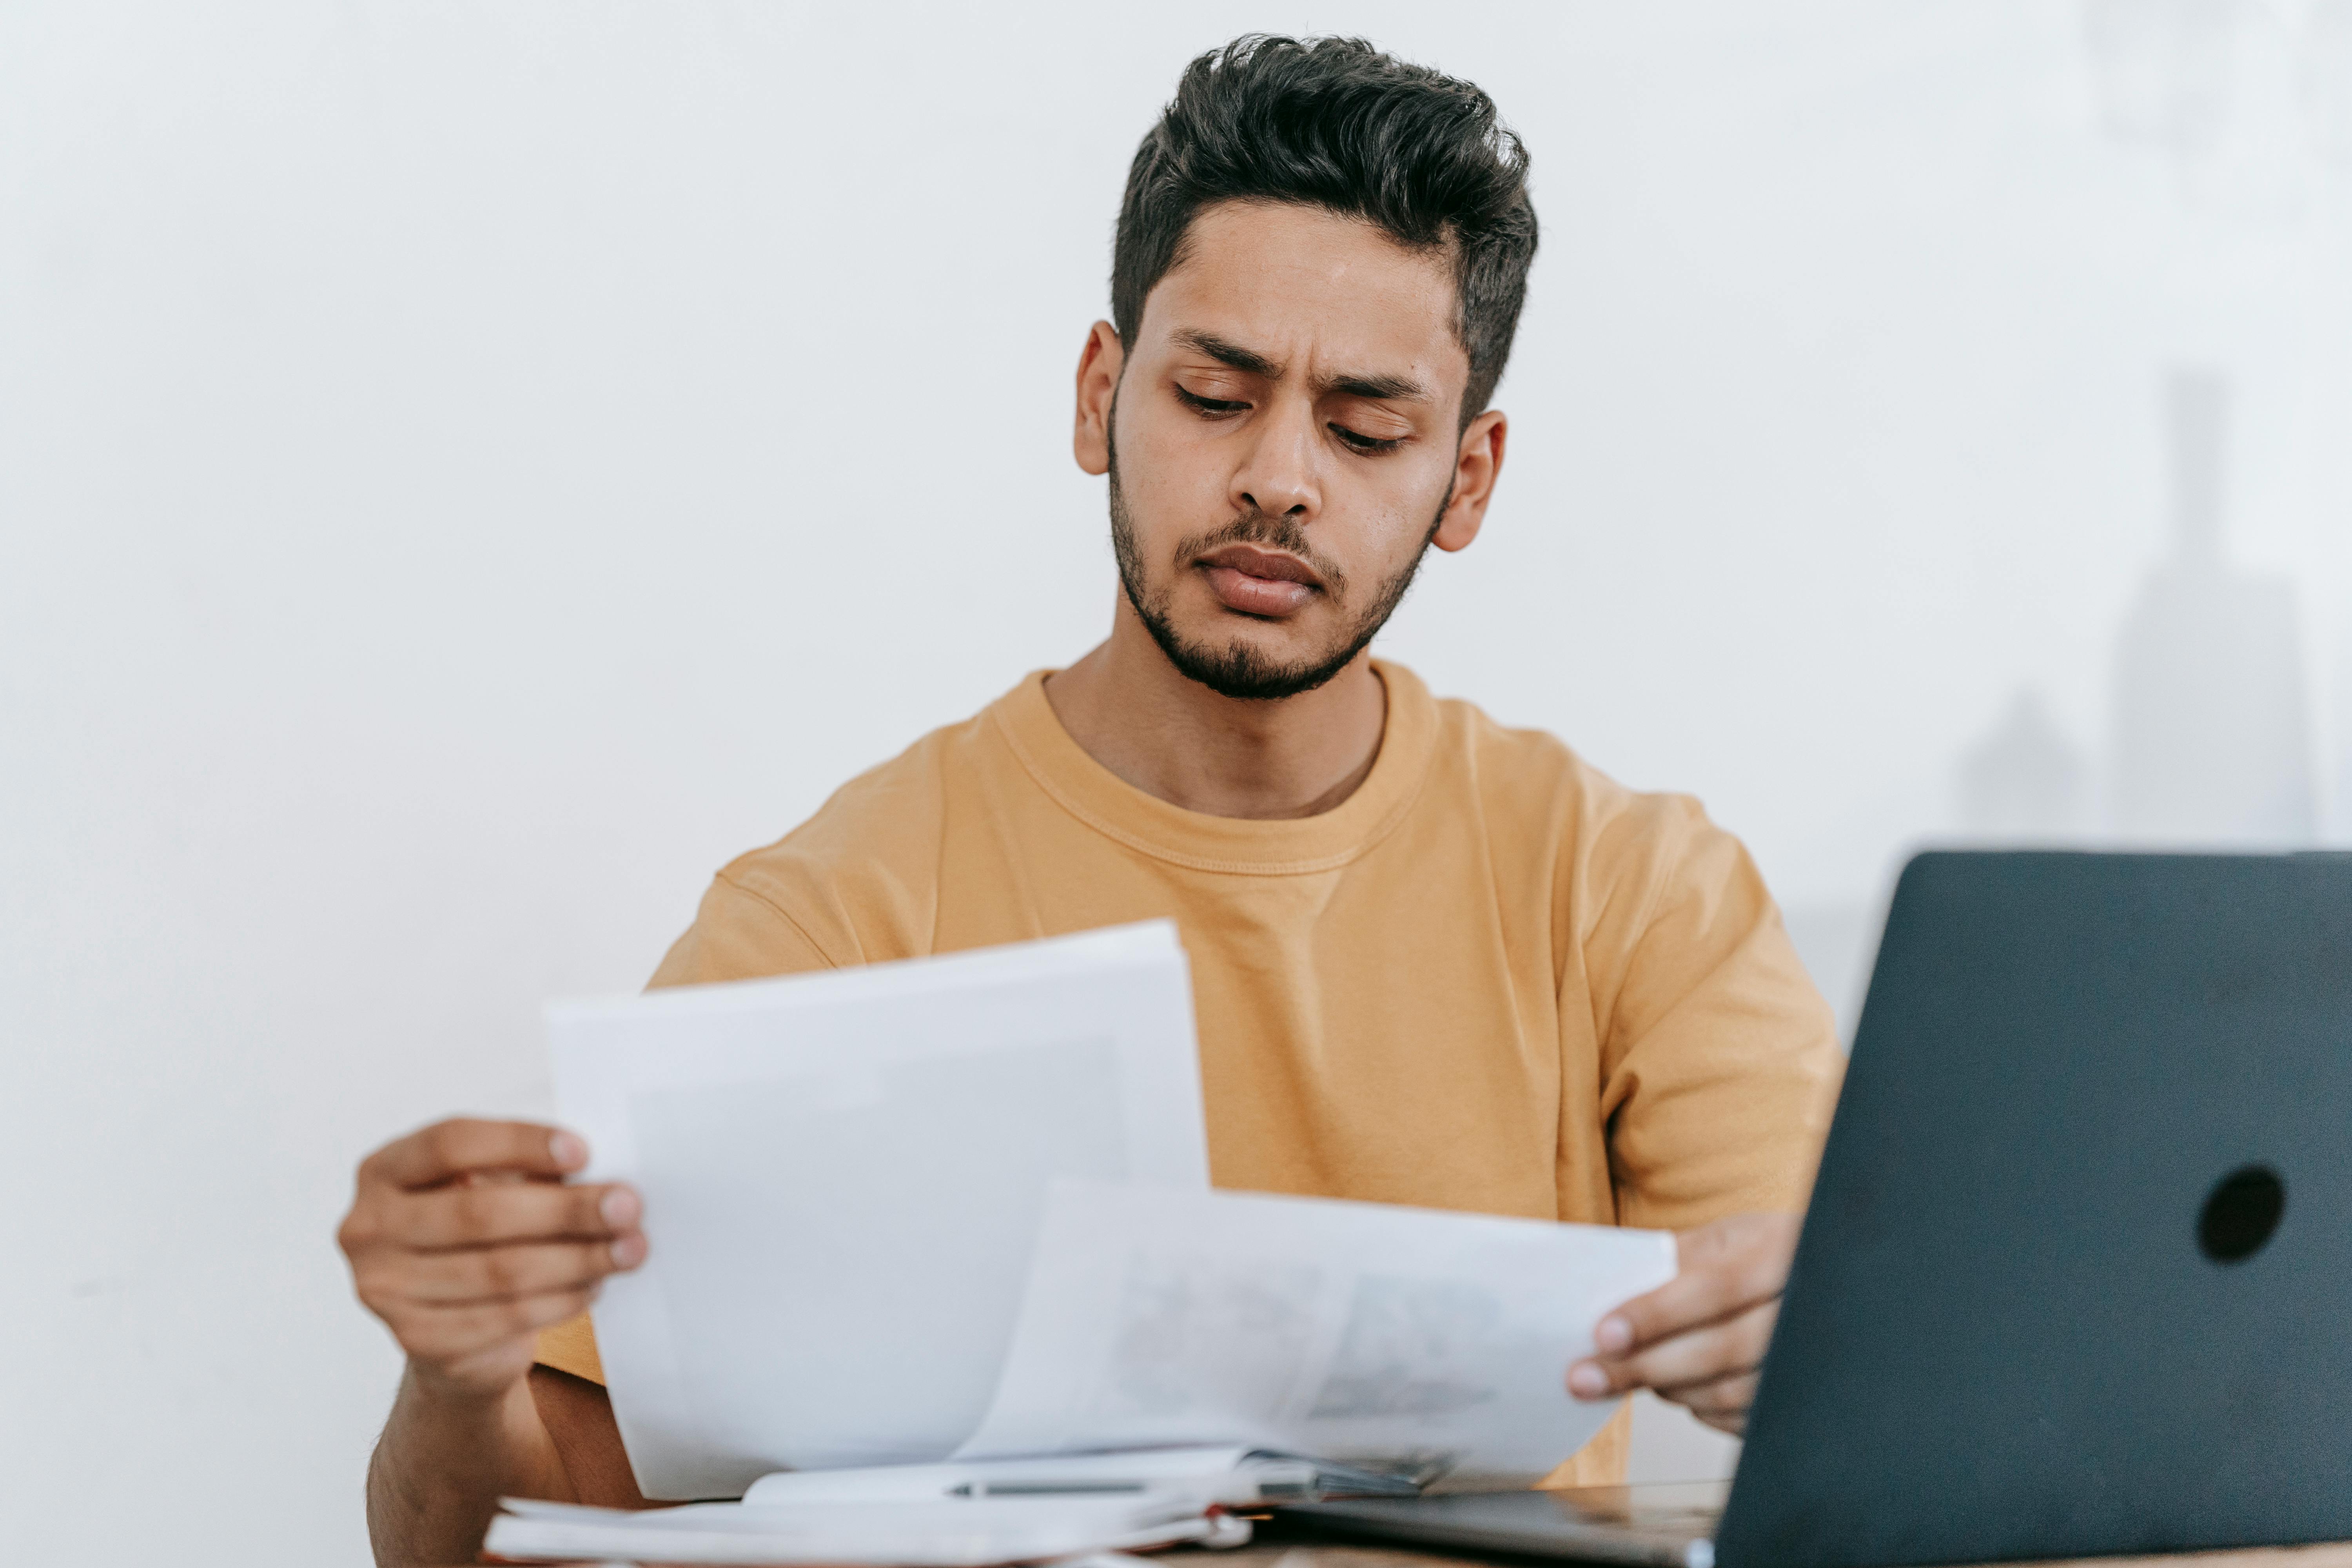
pixel 1385 510
pixel 1174 481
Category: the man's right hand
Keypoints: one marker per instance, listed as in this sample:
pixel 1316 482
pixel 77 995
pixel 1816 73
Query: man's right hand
pixel 465 1240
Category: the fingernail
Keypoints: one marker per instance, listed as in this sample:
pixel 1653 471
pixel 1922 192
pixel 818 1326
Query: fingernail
pixel 628 1252
pixel 1587 1381
pixel 1613 1335
pixel 567 1151
pixel 619 1208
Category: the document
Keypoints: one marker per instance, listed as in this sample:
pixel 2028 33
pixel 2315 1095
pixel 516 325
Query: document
pixel 843 1176
pixel 1418 1343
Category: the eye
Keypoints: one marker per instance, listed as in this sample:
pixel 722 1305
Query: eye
pixel 1208 408
pixel 1370 446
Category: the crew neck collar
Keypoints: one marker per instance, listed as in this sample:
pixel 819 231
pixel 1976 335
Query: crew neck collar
pixel 1291 846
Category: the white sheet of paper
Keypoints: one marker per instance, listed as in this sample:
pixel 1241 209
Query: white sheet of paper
pixel 843 1175
pixel 1396 1337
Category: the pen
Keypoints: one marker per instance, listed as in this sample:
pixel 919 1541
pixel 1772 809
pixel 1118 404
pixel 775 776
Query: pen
pixel 1041 1488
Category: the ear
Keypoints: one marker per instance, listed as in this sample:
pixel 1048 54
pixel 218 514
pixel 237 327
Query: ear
pixel 1476 467
pixel 1099 364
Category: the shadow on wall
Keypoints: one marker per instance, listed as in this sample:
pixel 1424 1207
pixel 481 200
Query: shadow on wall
pixel 2210 729
pixel 2211 742
pixel 2210 738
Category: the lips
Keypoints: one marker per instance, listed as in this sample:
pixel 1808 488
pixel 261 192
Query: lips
pixel 1260 582
pixel 1264 564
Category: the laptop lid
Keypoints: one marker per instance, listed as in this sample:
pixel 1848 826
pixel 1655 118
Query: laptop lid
pixel 2077 1274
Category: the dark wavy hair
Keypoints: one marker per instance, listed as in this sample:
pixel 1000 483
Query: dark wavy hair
pixel 1335 123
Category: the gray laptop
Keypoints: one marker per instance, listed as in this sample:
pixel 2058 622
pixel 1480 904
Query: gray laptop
pixel 2077 1276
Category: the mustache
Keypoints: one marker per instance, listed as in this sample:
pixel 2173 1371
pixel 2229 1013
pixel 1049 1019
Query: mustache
pixel 1254 526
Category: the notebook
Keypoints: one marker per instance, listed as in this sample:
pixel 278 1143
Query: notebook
pixel 959 1533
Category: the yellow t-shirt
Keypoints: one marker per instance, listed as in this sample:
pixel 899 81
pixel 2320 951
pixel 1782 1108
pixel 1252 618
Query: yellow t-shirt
pixel 1490 980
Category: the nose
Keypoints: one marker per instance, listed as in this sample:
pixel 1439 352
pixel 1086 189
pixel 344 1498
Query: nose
pixel 1277 473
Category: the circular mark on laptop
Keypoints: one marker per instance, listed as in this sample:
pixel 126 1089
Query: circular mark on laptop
pixel 2240 1216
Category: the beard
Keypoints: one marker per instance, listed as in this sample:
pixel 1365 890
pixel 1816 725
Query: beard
pixel 1239 669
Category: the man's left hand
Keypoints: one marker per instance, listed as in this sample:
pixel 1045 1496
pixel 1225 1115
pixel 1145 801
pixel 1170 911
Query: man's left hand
pixel 1698 1339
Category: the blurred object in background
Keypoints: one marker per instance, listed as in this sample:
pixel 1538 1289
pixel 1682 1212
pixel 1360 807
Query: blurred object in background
pixel 2022 783
pixel 2163 68
pixel 2238 92
pixel 2211 742
pixel 2327 79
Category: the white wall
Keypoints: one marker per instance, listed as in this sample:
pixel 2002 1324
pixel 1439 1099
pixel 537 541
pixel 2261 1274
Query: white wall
pixel 467 471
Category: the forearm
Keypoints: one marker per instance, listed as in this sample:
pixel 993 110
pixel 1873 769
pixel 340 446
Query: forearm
pixel 443 1461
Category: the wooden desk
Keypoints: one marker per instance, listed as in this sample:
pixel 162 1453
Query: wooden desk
pixel 1280 1555
pixel 1292 1555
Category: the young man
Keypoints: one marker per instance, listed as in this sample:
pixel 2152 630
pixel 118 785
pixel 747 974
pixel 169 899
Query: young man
pixel 1436 962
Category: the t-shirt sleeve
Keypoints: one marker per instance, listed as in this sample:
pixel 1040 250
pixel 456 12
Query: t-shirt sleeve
pixel 737 934
pixel 740 932
pixel 571 1346
pixel 1719 1059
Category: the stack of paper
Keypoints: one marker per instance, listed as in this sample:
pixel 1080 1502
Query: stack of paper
pixel 959 1209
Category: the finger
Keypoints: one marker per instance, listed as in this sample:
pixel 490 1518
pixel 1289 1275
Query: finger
pixel 1697 1296
pixel 447 1149
pixel 1725 1397
pixel 1694 1356
pixel 1703 1355
pixel 504 1273
pixel 531 1211
pixel 445 1333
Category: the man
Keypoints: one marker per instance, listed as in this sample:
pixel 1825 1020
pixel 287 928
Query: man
pixel 1436 962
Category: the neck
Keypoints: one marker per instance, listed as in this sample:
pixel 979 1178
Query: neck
pixel 1134 713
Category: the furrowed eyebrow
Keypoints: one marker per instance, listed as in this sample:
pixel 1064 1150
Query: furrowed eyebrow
pixel 1249 362
pixel 1390 388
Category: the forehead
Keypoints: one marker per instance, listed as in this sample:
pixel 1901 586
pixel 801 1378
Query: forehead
pixel 1301 283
